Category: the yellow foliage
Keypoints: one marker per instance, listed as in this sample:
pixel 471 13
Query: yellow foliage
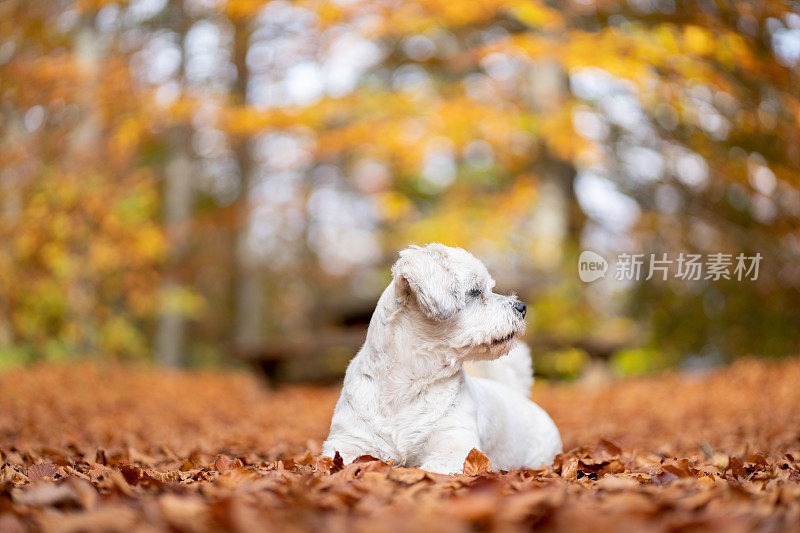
pixel 394 206
pixel 177 299
pixel 536 14
pixel 236 9
pixel 468 220
pixel 698 40
pixel 74 255
pixel 126 137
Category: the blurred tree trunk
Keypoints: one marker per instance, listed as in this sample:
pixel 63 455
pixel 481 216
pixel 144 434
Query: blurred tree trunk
pixel 248 282
pixel 556 218
pixel 85 138
pixel 11 175
pixel 170 342
pixel 12 181
pixel 84 151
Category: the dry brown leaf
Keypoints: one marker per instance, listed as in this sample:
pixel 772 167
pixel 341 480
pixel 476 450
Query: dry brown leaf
pixel 409 476
pixel 11 475
pixel 338 462
pixel 736 467
pixel 365 459
pixel 476 463
pixel 224 463
pixel 613 467
pixel 608 448
pixel 323 465
pixel 663 477
pixel 305 459
pixel 100 457
pixel 42 471
pixel 109 480
pixel 679 468
pixel 757 459
pixel 570 469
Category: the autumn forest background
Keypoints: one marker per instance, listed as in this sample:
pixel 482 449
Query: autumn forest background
pixel 197 182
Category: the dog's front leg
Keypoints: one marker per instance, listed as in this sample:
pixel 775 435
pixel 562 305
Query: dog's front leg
pixel 448 450
pixel 451 462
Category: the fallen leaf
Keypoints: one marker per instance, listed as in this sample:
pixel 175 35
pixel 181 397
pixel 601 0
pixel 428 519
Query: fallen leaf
pixel 223 463
pixel 608 448
pixel 680 468
pixel 100 457
pixel 409 476
pixel 756 458
pixel 338 462
pixel 43 470
pixel 306 459
pixel 736 467
pixel 365 459
pixel 613 467
pixel 570 470
pixel 663 477
pixel 323 465
pixel 10 475
pixel 476 463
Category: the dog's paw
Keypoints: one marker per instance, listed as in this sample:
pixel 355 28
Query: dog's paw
pixel 446 468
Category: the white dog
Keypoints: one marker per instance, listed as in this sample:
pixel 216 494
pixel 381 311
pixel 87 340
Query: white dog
pixel 406 395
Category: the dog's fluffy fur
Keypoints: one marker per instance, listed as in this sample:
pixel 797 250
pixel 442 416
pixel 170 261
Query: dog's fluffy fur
pixel 406 396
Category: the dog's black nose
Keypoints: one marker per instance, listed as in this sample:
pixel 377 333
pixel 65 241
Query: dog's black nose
pixel 521 308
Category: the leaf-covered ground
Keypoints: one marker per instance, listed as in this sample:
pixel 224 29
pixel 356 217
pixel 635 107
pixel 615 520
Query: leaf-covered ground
pixel 97 448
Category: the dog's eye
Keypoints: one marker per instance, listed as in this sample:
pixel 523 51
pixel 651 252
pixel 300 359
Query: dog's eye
pixel 475 293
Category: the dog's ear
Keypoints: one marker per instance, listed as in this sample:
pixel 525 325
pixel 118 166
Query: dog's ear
pixel 420 273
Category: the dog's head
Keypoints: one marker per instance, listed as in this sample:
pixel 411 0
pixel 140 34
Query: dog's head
pixel 447 295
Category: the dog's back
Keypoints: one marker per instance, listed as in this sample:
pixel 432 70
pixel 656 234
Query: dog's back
pixel 514 369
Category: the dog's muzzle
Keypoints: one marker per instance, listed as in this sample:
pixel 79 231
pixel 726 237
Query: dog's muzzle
pixel 520 308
